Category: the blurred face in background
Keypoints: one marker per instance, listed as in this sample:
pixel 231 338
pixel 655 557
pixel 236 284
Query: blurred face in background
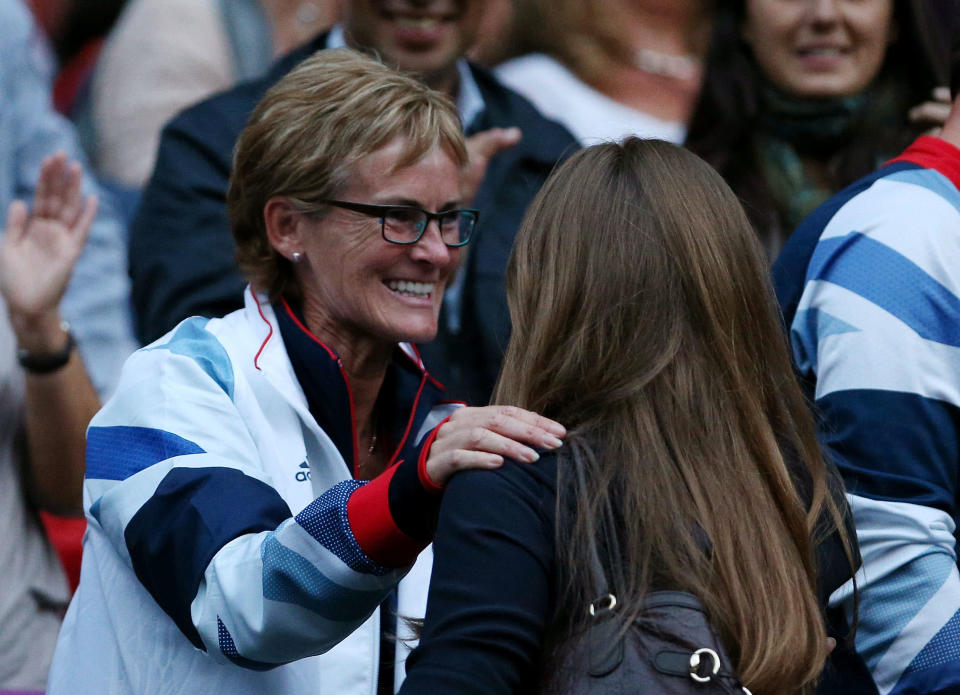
pixel 425 37
pixel 819 49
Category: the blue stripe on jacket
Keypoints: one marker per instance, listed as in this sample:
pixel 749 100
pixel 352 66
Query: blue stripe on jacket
pixel 117 452
pixel 790 269
pixel 891 281
pixel 288 577
pixel 934 670
pixel 191 339
pixel 193 513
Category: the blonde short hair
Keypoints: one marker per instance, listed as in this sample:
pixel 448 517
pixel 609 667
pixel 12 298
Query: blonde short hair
pixel 308 130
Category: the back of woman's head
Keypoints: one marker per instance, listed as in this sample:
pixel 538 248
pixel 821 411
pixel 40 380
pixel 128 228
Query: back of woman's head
pixel 631 254
pixel 643 320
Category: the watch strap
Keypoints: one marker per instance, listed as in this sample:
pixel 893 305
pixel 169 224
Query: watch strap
pixel 49 361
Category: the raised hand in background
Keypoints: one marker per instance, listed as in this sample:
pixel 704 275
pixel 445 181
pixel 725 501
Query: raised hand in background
pixel 39 251
pixel 37 255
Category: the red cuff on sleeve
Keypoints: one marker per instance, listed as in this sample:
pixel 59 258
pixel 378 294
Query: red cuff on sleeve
pixel 372 524
pixel 422 474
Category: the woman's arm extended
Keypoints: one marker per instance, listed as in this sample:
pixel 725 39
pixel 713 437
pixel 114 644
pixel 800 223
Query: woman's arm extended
pixel 491 589
pixel 37 257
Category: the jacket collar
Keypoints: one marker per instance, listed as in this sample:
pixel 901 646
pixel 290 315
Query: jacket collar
pixel 406 397
pixel 934 153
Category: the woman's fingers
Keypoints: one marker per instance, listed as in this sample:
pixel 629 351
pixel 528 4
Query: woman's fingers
pixel 936 111
pixel 929 112
pixel 51 186
pixel 59 199
pixel 483 437
pixel 16 221
pixel 530 417
pixel 515 423
pixel 471 436
pixel 450 462
pixel 58 194
pixel 85 221
pixel 43 190
pixel 493 442
pixel 72 200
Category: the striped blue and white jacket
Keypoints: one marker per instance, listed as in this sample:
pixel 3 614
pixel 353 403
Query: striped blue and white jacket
pixel 870 289
pixel 228 543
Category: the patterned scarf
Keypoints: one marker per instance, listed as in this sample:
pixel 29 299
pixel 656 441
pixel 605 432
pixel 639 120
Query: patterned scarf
pixel 790 126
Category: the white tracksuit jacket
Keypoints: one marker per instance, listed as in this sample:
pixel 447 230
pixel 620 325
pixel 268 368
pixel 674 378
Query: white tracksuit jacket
pixel 194 470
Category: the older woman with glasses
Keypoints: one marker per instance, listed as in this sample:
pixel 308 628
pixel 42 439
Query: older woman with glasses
pixel 261 483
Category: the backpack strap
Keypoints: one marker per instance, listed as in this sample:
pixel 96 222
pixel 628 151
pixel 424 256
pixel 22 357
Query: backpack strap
pixel 606 644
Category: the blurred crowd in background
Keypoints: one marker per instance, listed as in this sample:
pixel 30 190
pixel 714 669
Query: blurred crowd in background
pixel 100 80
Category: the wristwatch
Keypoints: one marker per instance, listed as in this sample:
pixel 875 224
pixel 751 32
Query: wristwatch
pixel 49 361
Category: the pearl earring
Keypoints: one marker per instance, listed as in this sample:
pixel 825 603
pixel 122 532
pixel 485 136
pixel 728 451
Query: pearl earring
pixel 297 256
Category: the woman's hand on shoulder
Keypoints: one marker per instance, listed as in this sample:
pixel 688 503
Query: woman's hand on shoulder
pixel 484 437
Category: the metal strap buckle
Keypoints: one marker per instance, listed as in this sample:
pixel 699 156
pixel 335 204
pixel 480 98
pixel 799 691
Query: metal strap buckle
pixel 604 604
pixel 695 662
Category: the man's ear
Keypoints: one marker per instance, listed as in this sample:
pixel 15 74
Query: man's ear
pixel 284 226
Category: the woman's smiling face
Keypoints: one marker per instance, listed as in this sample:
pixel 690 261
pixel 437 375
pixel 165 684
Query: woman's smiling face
pixel 819 49
pixel 358 286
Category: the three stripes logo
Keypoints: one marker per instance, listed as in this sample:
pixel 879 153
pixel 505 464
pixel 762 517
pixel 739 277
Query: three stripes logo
pixel 303 475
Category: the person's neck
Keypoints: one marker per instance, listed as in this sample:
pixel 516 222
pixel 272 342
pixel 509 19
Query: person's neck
pixel 446 80
pixel 366 377
pixel 667 26
pixel 658 31
pixel 364 360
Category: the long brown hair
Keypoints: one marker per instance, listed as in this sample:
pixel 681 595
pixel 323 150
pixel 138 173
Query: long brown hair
pixel 644 321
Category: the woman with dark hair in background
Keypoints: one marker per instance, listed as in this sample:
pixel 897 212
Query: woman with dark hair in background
pixel 643 318
pixel 802 98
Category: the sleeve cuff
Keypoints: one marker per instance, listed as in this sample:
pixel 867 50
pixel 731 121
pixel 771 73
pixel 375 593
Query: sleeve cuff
pixel 374 526
pixel 393 517
pixel 422 474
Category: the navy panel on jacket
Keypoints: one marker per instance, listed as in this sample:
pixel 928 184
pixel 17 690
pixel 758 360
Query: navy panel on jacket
pixel 192 514
pixel 907 431
pixel 229 649
pixel 323 381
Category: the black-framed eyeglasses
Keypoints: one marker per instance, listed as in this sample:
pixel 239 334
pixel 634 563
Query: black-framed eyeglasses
pixel 406 224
